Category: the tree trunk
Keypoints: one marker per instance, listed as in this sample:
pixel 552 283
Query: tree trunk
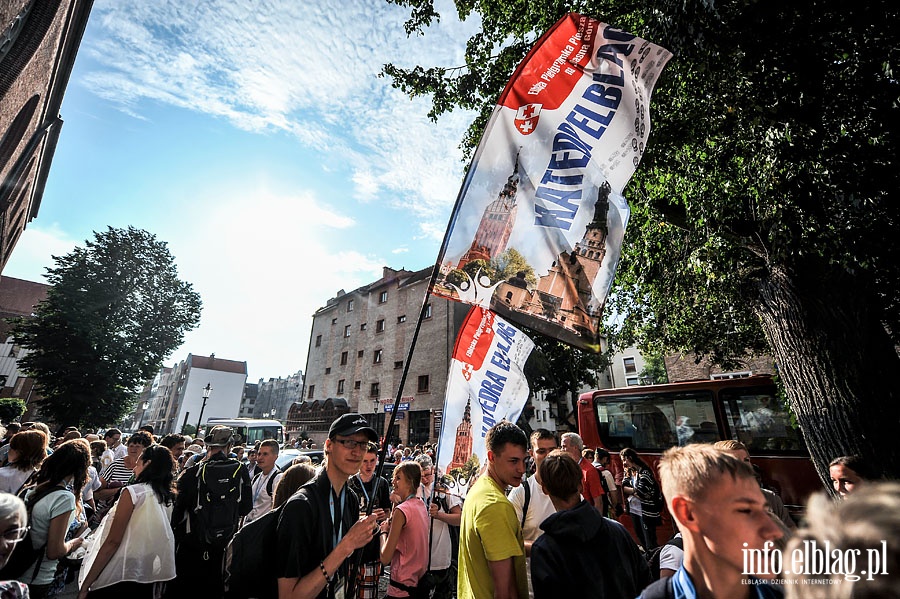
pixel 837 364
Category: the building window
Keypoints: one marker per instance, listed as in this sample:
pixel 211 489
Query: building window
pixel 629 364
pixel 340 389
pixel 428 310
pixel 347 331
pixel 318 340
pixel 401 319
pixel 423 383
pixel 343 358
pixel 360 353
pixel 362 327
pixel 382 297
pixel 350 306
pixel 398 365
pixel 632 381
pixel 328 370
pixel 311 392
pixel 375 390
pixel 357 385
pixel 377 355
pixel 379 326
pixel 334 321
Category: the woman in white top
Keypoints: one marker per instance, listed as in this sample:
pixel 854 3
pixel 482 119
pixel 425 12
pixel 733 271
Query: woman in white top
pixel 134 546
pixel 55 509
pixel 27 449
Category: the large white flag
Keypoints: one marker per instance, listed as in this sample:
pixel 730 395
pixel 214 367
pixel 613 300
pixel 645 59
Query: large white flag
pixel 485 385
pixel 541 214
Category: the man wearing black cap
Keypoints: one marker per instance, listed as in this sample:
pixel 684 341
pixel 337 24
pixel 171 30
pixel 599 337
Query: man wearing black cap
pixel 212 496
pixel 320 526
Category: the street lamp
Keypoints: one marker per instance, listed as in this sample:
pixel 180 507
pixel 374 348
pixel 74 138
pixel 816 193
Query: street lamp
pixel 206 391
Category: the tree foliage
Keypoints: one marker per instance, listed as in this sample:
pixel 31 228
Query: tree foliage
pixel 115 309
pixel 11 408
pixel 654 371
pixel 561 371
pixel 762 218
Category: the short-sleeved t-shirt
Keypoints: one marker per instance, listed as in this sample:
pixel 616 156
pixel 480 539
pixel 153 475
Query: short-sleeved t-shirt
pixel 117 471
pixel 55 504
pixel 301 545
pixel 539 507
pixel 489 532
pixel 590 480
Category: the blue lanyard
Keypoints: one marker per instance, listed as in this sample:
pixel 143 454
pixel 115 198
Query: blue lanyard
pixel 262 484
pixel 337 533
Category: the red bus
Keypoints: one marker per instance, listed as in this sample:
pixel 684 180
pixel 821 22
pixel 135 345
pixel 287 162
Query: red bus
pixel 653 418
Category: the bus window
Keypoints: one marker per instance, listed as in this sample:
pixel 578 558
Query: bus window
pixel 759 421
pixel 657 421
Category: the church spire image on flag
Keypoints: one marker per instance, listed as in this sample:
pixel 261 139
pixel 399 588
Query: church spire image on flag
pixel 540 219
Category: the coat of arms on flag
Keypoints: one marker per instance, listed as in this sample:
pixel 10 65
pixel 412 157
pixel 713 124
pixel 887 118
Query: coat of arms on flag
pixel 527 118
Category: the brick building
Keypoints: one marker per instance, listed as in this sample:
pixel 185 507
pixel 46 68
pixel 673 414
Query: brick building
pixel 358 345
pixel 17 299
pixel 38 43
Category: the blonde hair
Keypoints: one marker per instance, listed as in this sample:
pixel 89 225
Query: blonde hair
pixel 730 445
pixel 861 522
pixel 691 470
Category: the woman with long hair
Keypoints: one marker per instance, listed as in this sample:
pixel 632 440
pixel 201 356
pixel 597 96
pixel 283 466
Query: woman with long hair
pixel 639 484
pixel 292 479
pixel 847 473
pixel 135 546
pixel 13 526
pixel 406 547
pixel 27 450
pixel 54 501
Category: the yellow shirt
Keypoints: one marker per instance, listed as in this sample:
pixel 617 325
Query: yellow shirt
pixel 489 531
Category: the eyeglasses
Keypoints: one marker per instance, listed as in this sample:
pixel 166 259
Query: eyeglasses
pixel 352 444
pixel 14 535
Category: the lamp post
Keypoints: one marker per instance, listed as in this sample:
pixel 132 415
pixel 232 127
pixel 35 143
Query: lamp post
pixel 206 391
pixel 144 407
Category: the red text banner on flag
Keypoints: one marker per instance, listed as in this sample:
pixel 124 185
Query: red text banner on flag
pixel 539 222
pixel 485 385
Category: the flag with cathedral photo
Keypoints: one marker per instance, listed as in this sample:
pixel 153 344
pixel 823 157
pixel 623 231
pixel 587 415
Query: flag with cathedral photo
pixel 485 385
pixel 539 222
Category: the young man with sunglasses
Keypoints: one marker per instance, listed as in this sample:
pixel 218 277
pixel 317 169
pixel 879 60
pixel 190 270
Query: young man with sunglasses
pixel 320 526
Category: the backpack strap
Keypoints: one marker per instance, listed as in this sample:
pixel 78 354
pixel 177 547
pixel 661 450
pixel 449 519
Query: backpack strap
pixel 527 501
pixel 271 482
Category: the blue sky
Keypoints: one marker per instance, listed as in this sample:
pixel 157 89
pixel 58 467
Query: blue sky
pixel 257 140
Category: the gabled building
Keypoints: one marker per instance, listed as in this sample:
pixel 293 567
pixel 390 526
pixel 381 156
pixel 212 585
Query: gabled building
pixel 18 298
pixel 179 400
pixel 358 345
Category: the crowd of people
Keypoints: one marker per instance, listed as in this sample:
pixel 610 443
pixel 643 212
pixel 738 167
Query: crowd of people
pixel 161 517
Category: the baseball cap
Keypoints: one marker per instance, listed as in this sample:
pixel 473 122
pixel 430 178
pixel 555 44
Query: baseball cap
pixel 350 424
pixel 193 449
pixel 220 436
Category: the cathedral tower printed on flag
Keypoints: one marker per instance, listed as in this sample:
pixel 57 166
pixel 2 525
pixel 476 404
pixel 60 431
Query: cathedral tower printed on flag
pixel 540 218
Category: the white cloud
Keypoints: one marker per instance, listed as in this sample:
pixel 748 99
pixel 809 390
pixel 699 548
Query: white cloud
pixel 263 268
pixel 307 68
pixel 35 248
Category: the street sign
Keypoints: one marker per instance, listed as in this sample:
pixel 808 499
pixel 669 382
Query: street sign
pixel 401 415
pixel 404 407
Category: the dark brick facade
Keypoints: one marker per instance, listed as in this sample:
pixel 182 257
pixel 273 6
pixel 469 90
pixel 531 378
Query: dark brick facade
pixel 686 368
pixel 38 43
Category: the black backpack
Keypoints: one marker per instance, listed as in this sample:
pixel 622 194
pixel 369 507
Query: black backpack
pixel 250 559
pixel 216 515
pixel 653 555
pixel 24 553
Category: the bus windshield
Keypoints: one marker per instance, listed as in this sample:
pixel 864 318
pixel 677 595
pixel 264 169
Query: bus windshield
pixel 250 431
pixel 655 419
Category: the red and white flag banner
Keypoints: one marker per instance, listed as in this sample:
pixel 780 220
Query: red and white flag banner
pixel 486 384
pixel 539 223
